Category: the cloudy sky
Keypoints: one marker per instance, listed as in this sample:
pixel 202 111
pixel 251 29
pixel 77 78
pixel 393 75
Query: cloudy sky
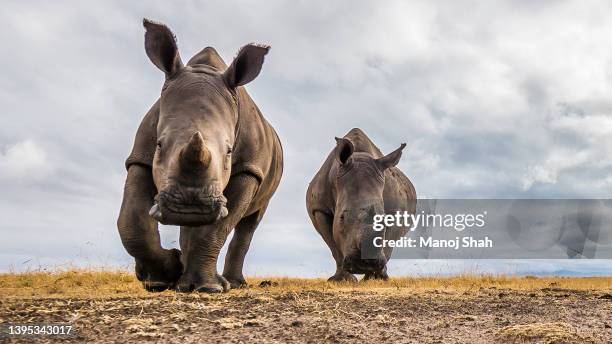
pixel 497 99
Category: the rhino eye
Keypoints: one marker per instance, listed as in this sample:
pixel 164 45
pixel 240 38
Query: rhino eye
pixel 229 150
pixel 159 144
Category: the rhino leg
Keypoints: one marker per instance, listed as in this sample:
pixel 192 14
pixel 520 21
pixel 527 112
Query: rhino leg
pixel 185 242
pixel 238 247
pixel 205 242
pixel 157 268
pixel 324 225
pixel 342 276
pixel 380 275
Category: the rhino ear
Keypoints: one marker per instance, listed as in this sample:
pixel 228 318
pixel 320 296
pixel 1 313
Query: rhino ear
pixel 344 150
pixel 246 66
pixel 390 159
pixel 161 48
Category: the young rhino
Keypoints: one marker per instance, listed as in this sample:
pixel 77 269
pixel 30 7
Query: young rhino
pixel 355 183
pixel 205 159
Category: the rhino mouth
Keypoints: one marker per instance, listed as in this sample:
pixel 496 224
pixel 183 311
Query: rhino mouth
pixel 171 210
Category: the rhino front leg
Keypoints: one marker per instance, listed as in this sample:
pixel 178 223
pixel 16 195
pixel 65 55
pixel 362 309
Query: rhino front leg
pixel 205 242
pixel 185 241
pixel 324 225
pixel 238 247
pixel 157 268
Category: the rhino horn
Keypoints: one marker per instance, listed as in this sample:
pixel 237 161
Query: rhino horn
pixel 195 153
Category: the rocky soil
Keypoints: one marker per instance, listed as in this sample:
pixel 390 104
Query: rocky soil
pixel 267 314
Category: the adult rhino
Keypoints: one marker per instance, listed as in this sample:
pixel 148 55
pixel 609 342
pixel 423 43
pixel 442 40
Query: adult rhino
pixel 204 158
pixel 355 183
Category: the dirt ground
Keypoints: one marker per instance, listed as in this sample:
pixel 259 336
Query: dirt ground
pixel 470 310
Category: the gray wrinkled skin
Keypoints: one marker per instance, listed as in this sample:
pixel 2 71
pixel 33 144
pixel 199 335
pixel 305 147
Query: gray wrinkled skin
pixel 204 159
pixel 356 182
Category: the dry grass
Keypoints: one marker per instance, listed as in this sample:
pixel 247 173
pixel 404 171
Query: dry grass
pixel 71 283
pixel 112 307
pixel 108 284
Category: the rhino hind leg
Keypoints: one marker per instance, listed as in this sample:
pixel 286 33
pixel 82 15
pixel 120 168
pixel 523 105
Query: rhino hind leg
pixel 324 225
pixel 343 276
pixel 158 276
pixel 238 248
pixel 157 268
pixel 377 275
pixel 205 242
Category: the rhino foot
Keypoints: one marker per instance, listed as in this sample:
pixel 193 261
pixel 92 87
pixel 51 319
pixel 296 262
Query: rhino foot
pixel 161 274
pixel 237 282
pixel 343 276
pixel 379 275
pixel 189 283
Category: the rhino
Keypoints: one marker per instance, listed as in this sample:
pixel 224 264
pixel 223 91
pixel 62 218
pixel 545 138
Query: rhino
pixel 355 183
pixel 205 159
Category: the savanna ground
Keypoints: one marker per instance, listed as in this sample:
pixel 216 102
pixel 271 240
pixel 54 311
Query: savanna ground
pixel 113 307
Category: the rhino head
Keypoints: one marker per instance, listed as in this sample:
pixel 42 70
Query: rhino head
pixel 196 130
pixel 359 188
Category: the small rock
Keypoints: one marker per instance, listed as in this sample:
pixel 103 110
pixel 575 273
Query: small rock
pixel 251 323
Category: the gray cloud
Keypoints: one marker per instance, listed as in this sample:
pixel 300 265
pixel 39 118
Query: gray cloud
pixel 501 99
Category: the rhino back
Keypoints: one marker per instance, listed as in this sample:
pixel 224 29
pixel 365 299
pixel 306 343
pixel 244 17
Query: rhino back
pixel 362 142
pixel 208 56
